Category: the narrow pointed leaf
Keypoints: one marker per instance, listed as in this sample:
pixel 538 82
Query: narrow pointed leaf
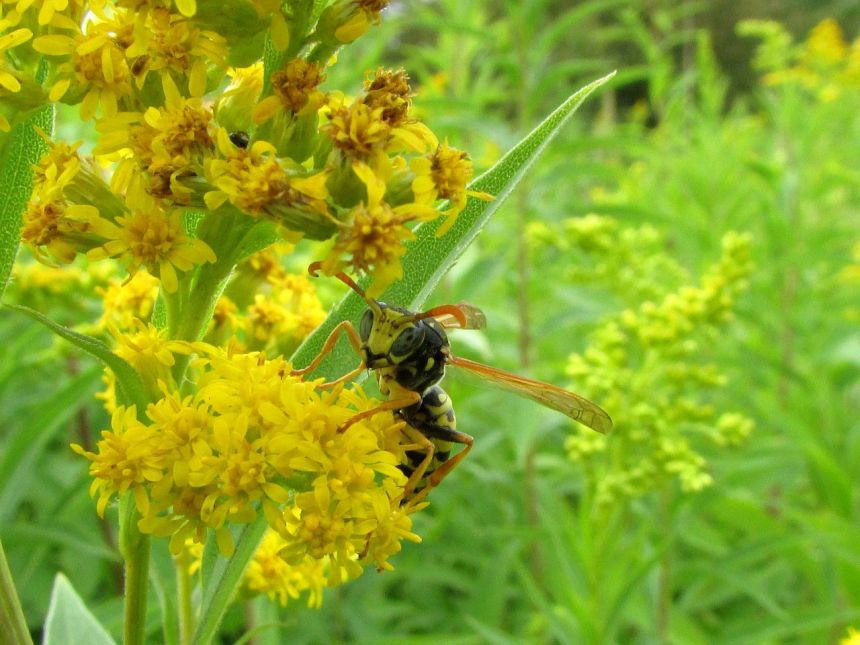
pixel 130 389
pixel 220 584
pixel 23 149
pixel 428 257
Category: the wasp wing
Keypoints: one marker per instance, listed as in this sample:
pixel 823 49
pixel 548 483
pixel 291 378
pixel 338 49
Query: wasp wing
pixel 568 403
pixel 460 316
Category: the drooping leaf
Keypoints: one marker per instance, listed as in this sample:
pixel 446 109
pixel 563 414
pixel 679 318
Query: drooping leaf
pixel 21 450
pixel 428 257
pixel 129 387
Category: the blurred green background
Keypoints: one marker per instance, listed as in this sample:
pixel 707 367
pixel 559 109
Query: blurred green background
pixel 685 254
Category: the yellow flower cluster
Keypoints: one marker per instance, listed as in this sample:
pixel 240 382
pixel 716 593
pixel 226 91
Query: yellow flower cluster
pixel 266 308
pixel 253 438
pixel 179 142
pixel 649 363
pixel 825 64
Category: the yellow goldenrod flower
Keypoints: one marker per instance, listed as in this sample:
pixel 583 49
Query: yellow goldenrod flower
pixel 299 297
pixel 9 81
pixel 128 300
pixel 255 181
pixel 149 352
pixel 149 237
pixel 362 133
pixel 444 174
pixel 165 41
pixel 269 574
pixel 295 90
pixel 234 105
pixel 53 227
pixel 355 17
pixel 390 91
pixel 126 460
pixel 374 238
pixel 183 128
pixel 167 143
pixel 266 319
pixel 94 65
pixel 357 130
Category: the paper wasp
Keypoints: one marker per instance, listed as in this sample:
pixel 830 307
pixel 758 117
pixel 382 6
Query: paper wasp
pixel 408 351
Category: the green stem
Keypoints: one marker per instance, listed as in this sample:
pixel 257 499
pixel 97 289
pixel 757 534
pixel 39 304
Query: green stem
pixel 183 593
pixel 225 234
pixel 13 627
pixel 219 588
pixel 664 580
pixel 134 547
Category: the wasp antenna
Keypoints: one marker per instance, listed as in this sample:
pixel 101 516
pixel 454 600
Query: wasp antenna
pixel 314 268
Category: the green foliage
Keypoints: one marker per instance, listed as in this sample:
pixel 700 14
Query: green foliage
pixel 698 279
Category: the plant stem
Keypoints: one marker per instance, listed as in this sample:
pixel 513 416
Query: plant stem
pixel 183 594
pixel 13 626
pixel 221 587
pixel 134 547
pixel 664 581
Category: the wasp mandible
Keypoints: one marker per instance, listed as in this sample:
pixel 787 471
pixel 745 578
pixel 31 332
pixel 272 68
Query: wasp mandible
pixel 408 352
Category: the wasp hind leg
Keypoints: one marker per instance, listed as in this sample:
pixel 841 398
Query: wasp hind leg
pixel 435 478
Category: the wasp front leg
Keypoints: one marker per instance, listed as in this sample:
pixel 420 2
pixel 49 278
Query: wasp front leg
pixel 354 340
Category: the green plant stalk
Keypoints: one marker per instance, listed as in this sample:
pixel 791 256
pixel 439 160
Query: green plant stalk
pixel 205 286
pixel 218 593
pixel 183 598
pixel 664 581
pixel 13 627
pixel 134 547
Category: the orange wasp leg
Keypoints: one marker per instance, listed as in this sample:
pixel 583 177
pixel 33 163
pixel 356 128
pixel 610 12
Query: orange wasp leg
pixel 424 444
pixel 411 398
pixel 354 340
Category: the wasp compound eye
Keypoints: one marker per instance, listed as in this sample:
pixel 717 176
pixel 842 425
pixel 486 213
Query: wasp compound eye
pixel 407 342
pixel 366 325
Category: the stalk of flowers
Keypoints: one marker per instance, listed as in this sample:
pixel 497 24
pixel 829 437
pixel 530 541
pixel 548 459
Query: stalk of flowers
pixel 825 64
pixel 648 362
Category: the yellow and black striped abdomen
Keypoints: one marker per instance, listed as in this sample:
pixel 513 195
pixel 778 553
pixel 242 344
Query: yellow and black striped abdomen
pixel 434 418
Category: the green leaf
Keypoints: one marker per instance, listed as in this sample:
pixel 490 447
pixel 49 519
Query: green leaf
pixel 22 449
pixel 129 387
pixel 428 257
pixel 24 148
pixel 69 620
